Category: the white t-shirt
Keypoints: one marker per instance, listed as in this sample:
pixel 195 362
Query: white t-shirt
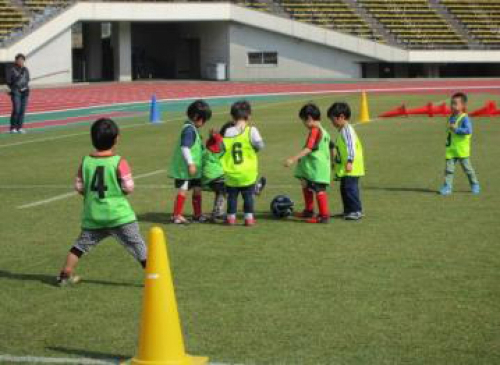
pixel 255 137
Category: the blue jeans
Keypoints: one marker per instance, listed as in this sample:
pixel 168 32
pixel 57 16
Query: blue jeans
pixel 466 166
pixel 247 193
pixel 19 101
pixel 349 190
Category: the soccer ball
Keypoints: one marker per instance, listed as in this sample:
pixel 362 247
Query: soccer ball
pixel 282 206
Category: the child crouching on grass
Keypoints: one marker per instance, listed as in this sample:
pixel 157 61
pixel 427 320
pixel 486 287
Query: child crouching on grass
pixel 186 165
pixel 104 179
pixel 213 174
pixel 349 163
pixel 314 166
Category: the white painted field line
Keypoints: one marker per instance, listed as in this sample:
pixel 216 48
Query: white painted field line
pixel 269 105
pixel 282 93
pixel 56 360
pixel 54 138
pixel 73 193
pixel 67 360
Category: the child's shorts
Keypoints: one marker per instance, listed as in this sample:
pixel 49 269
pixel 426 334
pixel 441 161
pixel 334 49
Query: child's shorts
pixel 128 235
pixel 314 186
pixel 216 185
pixel 187 184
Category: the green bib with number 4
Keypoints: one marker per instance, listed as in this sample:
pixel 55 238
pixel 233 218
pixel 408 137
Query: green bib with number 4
pixel 240 161
pixel 105 204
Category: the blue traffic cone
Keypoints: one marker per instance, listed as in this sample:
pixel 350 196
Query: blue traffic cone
pixel 154 113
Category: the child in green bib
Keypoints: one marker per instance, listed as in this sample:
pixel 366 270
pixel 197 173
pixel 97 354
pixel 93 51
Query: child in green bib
pixel 459 134
pixel 187 162
pixel 104 180
pixel 213 174
pixel 314 167
pixel 349 163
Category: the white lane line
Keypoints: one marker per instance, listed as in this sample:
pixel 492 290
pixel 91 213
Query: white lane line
pixel 47 139
pixel 73 193
pixel 282 93
pixel 56 360
pixel 269 105
pixel 68 360
pixel 46 201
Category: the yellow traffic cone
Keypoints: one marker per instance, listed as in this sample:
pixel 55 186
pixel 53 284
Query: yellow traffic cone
pixel 160 341
pixel 364 114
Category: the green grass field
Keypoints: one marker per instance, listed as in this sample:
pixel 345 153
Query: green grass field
pixel 416 282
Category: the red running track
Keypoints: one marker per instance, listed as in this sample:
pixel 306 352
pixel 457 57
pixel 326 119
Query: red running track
pixel 81 96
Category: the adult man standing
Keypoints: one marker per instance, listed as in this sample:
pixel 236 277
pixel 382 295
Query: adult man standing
pixel 18 79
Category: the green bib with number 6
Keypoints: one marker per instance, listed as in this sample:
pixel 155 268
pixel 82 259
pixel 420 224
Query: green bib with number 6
pixel 240 162
pixel 105 204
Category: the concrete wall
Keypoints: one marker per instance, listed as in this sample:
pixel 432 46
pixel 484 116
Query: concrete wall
pixel 214 41
pixel 51 63
pixel 296 58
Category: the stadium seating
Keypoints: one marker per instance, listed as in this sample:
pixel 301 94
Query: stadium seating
pixel 333 14
pixel 414 23
pixel 11 19
pixel 480 17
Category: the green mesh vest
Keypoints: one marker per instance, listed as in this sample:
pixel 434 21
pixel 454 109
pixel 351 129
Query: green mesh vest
pixel 212 166
pixel 316 166
pixel 358 165
pixel 105 205
pixel 178 166
pixel 458 145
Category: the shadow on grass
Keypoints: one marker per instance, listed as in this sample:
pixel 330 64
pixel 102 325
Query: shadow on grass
pixel 155 217
pixel 398 189
pixel 51 279
pixel 90 354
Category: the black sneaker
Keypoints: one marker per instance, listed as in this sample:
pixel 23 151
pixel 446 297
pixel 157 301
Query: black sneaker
pixel 200 219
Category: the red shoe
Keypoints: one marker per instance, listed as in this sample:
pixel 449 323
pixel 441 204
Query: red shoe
pixel 304 214
pixel 318 220
pixel 250 222
pixel 230 221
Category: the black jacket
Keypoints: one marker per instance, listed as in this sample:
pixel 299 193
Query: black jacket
pixel 18 78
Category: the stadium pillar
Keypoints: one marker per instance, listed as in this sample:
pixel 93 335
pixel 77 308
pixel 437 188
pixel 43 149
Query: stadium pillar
pixel 92 48
pixel 122 50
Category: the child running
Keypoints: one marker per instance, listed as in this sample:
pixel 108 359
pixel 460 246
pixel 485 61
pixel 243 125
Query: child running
pixel 104 179
pixel 349 162
pixel 314 165
pixel 186 165
pixel 240 162
pixel 459 129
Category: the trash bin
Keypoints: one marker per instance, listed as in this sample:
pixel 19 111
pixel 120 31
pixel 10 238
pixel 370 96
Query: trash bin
pixel 216 71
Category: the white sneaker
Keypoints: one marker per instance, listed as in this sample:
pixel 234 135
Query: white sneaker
pixel 21 131
pixel 13 131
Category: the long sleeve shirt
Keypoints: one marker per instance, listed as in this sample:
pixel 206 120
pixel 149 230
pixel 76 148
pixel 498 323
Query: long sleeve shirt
pixel 465 127
pixel 350 141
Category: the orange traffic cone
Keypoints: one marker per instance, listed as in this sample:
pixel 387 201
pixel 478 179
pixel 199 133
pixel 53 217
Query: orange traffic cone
pixel 161 341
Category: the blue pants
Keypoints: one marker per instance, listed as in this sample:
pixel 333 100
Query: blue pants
pixel 19 101
pixel 247 193
pixel 349 190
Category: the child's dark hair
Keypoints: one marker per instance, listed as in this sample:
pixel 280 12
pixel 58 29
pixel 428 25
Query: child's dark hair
pixel 241 110
pixel 310 110
pixel 104 132
pixel 460 95
pixel 199 109
pixel 338 109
